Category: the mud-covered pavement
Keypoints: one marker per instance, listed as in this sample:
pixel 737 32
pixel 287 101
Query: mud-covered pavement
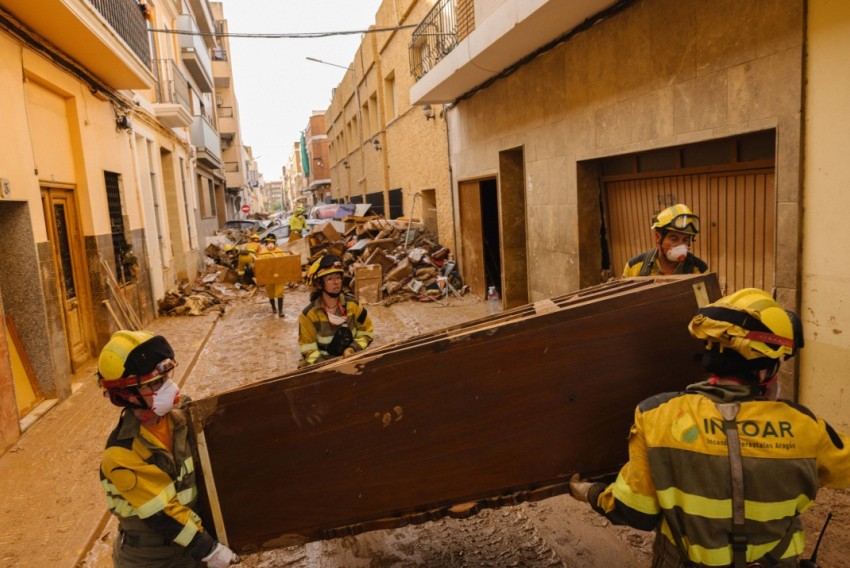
pixel 249 344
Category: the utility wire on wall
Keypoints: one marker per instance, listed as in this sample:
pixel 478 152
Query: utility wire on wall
pixel 302 35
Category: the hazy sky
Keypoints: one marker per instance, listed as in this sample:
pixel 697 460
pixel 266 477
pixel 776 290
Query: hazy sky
pixel 276 87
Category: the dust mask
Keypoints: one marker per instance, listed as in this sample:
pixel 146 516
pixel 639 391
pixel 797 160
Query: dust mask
pixel 270 246
pixel 677 254
pixel 337 320
pixel 165 398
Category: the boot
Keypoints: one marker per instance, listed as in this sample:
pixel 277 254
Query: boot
pixel 271 301
pixel 280 307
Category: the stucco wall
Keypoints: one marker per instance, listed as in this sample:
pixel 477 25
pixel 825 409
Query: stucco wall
pixel 824 384
pixel 659 73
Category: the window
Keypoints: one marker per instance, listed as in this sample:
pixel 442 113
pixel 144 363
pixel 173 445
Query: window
pixel 390 97
pixel 120 246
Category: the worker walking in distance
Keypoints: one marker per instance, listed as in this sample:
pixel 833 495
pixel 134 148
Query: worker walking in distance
pixel 273 291
pixel 247 255
pixel 333 323
pixel 148 466
pixel 723 470
pixel 297 224
pixel 675 229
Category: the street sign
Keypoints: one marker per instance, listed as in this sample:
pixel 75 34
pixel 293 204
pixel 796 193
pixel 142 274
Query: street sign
pixel 246 208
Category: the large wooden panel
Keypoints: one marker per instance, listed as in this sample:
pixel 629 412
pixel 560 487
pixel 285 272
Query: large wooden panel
pixel 494 411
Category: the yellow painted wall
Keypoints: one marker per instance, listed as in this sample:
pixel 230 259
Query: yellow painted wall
pixel 824 380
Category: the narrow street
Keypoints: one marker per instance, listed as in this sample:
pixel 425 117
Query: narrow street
pixel 249 344
pixel 62 516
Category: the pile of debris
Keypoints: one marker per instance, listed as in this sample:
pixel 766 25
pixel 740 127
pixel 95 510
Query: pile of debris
pixel 394 260
pixel 188 299
pixel 385 260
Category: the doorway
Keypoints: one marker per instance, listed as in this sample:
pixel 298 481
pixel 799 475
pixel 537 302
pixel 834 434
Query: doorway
pixel 69 264
pixel 479 221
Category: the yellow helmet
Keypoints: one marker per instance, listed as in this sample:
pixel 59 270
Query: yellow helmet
pixel 677 217
pixel 255 237
pixel 229 248
pixel 299 211
pixel 328 264
pixel 750 322
pixel 131 359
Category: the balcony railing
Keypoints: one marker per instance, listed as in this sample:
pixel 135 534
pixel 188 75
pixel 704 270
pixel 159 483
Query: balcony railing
pixel 127 19
pixel 171 84
pixel 207 142
pixel 194 53
pixel 446 25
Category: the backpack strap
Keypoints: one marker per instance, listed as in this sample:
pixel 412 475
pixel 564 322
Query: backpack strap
pixel 648 262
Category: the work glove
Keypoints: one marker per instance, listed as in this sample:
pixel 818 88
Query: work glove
pixel 349 351
pixel 220 557
pixel 579 488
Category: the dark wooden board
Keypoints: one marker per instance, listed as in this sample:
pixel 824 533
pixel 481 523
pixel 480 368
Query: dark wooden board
pixel 494 411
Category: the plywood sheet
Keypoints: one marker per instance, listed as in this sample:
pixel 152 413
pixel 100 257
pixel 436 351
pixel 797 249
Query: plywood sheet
pixel 277 269
pixel 494 411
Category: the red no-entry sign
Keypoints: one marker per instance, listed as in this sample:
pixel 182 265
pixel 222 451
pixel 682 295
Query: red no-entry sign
pixel 246 208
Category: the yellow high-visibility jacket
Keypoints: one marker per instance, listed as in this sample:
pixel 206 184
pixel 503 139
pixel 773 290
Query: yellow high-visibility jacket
pixel 677 479
pixel 315 331
pixel 152 491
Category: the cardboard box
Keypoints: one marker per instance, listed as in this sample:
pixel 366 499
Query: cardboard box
pixel 277 269
pixel 367 283
pixel 299 247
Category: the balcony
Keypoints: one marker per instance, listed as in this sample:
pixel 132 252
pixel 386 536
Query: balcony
pixel 108 37
pixel 206 142
pixel 172 105
pixel 194 53
pixel 447 63
pixel 205 21
pixel 221 68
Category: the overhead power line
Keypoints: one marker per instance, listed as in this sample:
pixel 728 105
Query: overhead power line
pixel 301 35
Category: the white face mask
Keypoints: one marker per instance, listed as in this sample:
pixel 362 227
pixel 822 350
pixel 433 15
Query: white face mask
pixel 165 398
pixel 270 246
pixel 677 254
pixel 337 320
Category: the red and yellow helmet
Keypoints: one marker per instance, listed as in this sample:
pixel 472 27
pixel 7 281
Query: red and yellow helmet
pixel 131 359
pixel 750 322
pixel 328 264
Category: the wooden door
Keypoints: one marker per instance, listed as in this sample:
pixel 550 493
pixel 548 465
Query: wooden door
pixel 472 247
pixel 63 232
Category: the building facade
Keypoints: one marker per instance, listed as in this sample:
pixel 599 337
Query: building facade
pixel 384 149
pixel 570 124
pixel 110 170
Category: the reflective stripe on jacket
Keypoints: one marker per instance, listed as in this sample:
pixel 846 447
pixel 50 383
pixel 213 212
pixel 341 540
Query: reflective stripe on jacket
pixel 315 331
pixel 151 490
pixel 646 264
pixel 678 475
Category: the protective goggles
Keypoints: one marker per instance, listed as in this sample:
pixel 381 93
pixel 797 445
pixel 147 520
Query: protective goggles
pixel 685 222
pixel 162 369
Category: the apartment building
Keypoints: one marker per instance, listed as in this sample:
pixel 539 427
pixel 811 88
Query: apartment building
pixel 111 175
pixel 384 149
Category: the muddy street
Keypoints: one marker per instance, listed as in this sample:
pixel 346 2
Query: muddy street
pixel 248 344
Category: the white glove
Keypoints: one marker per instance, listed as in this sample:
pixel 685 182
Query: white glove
pixel 579 488
pixel 220 557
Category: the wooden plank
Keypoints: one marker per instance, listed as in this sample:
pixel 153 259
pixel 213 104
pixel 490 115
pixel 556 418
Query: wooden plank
pixel 494 411
pixel 277 269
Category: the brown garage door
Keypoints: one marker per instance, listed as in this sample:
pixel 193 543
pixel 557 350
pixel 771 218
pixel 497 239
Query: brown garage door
pixel 738 221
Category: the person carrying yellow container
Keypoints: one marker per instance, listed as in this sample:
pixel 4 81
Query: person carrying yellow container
pixel 273 291
pixel 333 323
pixel 675 229
pixel 247 254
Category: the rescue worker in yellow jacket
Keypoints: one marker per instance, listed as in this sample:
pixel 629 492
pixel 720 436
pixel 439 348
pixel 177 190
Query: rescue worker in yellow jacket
pixel 723 470
pixel 674 229
pixel 273 291
pixel 297 224
pixel 247 255
pixel 334 323
pixel 148 466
